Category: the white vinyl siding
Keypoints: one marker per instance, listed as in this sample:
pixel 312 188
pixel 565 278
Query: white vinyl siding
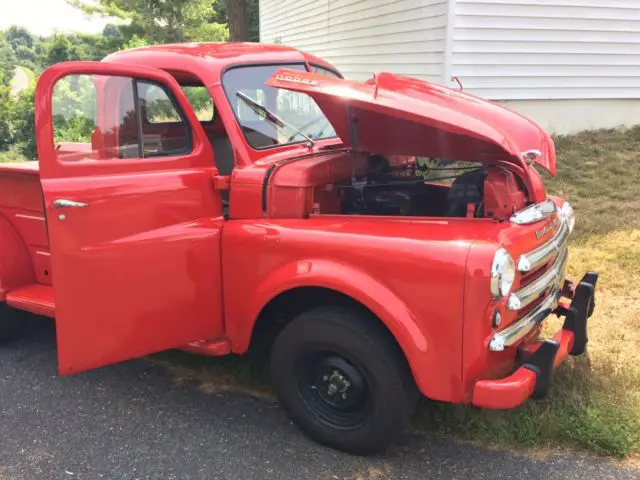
pixel 547 49
pixel 362 37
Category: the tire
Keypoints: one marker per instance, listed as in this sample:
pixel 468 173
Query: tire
pixel 343 379
pixel 12 323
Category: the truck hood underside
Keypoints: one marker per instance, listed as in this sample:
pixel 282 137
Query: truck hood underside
pixel 393 114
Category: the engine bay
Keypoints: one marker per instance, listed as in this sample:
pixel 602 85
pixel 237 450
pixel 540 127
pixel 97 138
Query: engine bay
pixel 407 186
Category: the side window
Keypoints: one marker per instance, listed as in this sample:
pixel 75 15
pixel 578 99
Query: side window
pixel 156 104
pixel 100 117
pixel 164 131
pixel 74 109
pixel 201 102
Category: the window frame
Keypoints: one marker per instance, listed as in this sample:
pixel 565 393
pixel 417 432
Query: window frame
pixel 143 121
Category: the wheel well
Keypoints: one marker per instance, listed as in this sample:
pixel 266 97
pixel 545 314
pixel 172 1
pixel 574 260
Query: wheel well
pixel 286 306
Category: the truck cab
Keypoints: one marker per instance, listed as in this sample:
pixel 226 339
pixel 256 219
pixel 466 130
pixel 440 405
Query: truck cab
pixel 381 240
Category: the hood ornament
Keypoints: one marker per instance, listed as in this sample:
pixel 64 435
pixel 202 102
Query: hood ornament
pixel 531 156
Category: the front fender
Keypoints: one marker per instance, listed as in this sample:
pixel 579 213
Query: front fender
pixel 409 274
pixel 410 334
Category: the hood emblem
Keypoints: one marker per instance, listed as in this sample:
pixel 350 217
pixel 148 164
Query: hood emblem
pixel 547 228
pixel 292 79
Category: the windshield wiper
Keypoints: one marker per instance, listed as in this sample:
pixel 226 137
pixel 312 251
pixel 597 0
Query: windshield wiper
pixel 272 117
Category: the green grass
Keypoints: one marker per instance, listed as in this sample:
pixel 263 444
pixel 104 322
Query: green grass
pixel 594 403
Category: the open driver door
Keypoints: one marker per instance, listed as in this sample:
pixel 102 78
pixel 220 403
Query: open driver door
pixel 134 221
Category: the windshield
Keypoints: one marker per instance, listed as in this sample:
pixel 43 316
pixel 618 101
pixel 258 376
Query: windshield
pixel 301 117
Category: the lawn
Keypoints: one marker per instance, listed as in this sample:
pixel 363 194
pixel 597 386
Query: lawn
pixel 594 403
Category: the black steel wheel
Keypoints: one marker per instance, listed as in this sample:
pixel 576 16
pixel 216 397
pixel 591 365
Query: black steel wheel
pixel 343 379
pixel 334 388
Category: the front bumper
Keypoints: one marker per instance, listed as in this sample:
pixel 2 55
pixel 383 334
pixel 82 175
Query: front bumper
pixel 541 358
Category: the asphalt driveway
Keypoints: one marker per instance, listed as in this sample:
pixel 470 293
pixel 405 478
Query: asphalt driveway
pixel 133 421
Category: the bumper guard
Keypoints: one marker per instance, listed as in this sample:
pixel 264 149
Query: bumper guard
pixel 540 359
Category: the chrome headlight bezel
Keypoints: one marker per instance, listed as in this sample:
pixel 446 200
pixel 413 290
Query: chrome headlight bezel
pixel 567 215
pixel 503 274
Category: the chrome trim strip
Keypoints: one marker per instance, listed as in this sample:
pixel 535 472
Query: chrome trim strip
pixel 534 213
pixel 518 330
pixel 541 255
pixel 554 276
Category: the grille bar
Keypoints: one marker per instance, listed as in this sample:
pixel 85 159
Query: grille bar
pixel 551 278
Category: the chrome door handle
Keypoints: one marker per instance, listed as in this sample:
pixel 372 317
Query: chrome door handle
pixel 64 203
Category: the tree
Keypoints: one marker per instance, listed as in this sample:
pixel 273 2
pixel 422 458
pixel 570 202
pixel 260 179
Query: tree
pixel 59 50
pixel 17 36
pixel 24 53
pixel 156 21
pixel 236 11
pixel 6 113
pixel 242 17
pixel 253 21
pixel 7 63
pixel 24 129
pixel 111 31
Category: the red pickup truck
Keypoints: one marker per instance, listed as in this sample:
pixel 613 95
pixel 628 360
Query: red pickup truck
pixel 382 239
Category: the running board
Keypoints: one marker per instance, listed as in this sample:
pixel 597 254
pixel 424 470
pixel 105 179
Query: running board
pixel 34 298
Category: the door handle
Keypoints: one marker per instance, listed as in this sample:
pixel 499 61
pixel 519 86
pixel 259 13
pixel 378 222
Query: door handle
pixel 64 203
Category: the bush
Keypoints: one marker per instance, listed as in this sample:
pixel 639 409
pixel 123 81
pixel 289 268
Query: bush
pixel 6 113
pixel 23 122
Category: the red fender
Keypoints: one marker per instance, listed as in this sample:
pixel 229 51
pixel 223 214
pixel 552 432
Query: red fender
pixel 350 281
pixel 15 265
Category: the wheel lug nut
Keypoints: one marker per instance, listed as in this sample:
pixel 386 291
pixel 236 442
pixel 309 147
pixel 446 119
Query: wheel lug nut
pixel 344 395
pixel 325 378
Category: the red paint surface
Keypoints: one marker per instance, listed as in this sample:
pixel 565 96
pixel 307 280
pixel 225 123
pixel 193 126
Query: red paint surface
pixel 511 391
pixel 34 298
pixel 397 114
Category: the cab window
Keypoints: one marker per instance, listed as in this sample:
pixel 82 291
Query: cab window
pixel 102 117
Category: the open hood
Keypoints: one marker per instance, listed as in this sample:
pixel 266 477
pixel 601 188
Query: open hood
pixel 393 114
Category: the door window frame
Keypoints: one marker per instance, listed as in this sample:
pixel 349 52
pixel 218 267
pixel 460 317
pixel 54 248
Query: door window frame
pixel 51 167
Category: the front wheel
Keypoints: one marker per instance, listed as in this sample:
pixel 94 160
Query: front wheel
pixel 343 379
pixel 12 322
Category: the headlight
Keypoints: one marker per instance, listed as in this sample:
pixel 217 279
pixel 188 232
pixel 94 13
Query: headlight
pixel 503 272
pixel 567 215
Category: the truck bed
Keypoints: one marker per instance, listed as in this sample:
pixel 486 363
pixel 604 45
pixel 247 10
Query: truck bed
pixel 32 168
pixel 21 205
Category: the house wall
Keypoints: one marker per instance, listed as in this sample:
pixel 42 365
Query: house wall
pixel 362 37
pixel 568 64
pixel 547 49
pixel 565 116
